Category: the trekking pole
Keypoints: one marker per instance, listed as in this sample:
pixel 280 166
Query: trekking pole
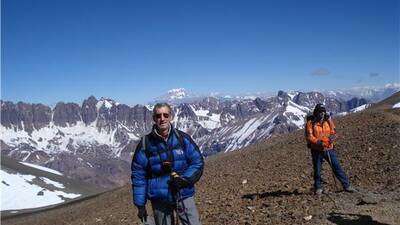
pixel 174 191
pixel 330 163
pixel 179 200
pixel 183 208
pixel 176 211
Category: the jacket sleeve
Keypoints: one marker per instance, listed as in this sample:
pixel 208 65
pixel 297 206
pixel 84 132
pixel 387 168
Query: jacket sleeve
pixel 139 176
pixel 332 126
pixel 310 134
pixel 195 161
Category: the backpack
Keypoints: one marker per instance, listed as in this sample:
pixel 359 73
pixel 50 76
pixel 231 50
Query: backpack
pixel 309 117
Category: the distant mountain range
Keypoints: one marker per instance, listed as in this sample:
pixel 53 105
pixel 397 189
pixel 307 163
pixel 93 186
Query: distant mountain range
pixel 370 93
pixel 93 142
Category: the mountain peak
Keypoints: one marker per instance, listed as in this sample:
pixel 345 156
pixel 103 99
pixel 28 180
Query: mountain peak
pixel 177 93
pixel 106 102
pixel 283 94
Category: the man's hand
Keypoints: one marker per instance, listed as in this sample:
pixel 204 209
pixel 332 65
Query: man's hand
pixel 178 181
pixel 142 213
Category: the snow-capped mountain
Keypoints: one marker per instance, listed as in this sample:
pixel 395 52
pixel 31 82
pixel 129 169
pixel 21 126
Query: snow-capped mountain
pixel 36 186
pixel 178 93
pixel 93 142
pixel 243 96
pixel 369 93
pixel 372 94
pixel 181 95
pixel 220 125
pixel 105 103
pixel 176 96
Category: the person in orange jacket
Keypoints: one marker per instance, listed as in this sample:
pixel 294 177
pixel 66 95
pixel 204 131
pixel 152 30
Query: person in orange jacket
pixel 321 134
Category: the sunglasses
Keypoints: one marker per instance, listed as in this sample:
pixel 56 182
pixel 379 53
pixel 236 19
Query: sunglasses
pixel 165 115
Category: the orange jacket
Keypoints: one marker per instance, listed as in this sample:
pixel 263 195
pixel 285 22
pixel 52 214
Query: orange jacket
pixel 317 131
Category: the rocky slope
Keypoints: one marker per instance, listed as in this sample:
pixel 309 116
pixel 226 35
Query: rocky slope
pixel 270 182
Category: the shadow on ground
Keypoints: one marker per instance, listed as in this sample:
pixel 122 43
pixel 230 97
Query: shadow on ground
pixel 352 219
pixel 278 193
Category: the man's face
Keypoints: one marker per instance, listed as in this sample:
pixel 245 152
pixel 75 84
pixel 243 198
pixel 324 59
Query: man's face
pixel 162 118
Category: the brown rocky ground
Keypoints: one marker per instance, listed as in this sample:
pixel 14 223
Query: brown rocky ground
pixel 270 183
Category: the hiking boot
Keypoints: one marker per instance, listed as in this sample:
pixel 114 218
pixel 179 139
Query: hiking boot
pixel 319 191
pixel 350 189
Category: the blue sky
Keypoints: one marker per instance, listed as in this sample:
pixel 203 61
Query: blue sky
pixel 133 51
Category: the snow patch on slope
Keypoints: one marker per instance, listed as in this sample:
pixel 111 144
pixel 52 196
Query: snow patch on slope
pixel 19 192
pixel 360 108
pixel 297 110
pixel 42 168
pixel 244 133
pixel 206 119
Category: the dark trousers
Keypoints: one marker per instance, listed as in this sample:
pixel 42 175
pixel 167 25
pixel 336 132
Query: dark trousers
pixel 318 157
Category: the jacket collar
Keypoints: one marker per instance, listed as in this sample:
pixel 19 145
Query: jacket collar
pixel 158 136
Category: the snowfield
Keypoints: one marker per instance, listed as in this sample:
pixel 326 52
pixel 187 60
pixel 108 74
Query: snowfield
pixel 18 192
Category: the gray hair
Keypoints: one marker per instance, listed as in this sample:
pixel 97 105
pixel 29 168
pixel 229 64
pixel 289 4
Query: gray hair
pixel 160 105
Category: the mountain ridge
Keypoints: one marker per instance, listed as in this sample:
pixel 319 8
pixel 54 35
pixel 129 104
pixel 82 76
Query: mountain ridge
pixel 95 140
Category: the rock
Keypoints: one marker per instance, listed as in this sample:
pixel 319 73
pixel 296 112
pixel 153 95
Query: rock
pixel 307 218
pixel 251 208
pixel 89 110
pixel 265 205
pixel 366 200
pixel 66 114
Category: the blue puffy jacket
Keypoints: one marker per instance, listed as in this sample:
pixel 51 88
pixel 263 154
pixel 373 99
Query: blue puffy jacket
pixel 149 181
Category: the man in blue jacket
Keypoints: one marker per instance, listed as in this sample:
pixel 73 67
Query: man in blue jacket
pixel 166 165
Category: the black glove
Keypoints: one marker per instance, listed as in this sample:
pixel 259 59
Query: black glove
pixel 142 213
pixel 178 181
